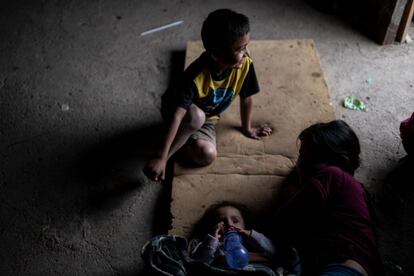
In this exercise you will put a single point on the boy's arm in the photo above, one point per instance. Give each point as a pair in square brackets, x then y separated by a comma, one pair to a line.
[155, 169]
[246, 107]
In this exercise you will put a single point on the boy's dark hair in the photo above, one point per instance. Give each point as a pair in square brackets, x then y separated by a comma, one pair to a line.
[210, 218]
[333, 143]
[222, 28]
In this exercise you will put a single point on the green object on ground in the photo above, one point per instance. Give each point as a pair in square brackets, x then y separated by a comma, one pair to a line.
[354, 104]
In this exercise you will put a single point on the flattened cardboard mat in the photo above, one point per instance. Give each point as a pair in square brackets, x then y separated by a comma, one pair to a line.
[293, 95]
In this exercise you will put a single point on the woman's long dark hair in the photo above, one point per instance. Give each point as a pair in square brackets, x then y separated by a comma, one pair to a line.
[333, 143]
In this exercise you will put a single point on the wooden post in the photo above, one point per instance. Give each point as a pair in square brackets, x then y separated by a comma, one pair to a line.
[405, 21]
[389, 20]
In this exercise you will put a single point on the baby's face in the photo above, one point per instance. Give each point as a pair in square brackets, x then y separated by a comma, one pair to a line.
[230, 216]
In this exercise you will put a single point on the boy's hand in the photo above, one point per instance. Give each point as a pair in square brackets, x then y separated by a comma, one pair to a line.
[257, 132]
[155, 169]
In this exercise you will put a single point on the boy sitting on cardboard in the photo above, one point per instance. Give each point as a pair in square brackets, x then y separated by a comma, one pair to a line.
[192, 107]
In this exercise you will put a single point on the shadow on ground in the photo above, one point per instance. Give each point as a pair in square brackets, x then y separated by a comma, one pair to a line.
[361, 16]
[114, 168]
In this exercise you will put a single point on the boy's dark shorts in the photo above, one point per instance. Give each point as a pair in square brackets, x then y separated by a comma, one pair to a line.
[207, 132]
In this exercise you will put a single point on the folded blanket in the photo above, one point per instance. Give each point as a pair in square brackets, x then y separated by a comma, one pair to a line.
[167, 255]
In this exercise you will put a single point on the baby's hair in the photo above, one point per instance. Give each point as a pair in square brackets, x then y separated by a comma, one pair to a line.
[210, 218]
[333, 143]
[222, 28]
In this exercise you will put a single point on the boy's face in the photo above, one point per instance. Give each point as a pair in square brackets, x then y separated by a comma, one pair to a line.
[234, 56]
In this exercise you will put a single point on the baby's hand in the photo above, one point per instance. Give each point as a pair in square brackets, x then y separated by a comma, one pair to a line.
[218, 230]
[241, 231]
[257, 132]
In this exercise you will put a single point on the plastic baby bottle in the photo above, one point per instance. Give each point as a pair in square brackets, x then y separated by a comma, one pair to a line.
[235, 253]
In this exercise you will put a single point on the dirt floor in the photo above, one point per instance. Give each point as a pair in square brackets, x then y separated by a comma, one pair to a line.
[79, 114]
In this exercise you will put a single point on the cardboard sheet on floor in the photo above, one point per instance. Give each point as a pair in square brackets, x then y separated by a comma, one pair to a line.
[293, 96]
